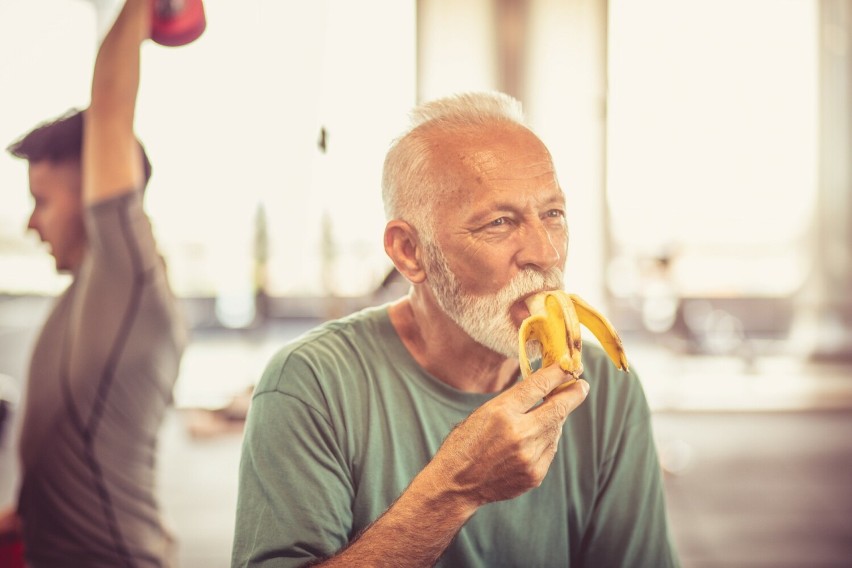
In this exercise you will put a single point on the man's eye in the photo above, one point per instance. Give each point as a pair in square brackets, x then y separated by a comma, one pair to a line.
[498, 222]
[555, 213]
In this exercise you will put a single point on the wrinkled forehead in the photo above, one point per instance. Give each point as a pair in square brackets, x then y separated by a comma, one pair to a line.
[498, 156]
[489, 146]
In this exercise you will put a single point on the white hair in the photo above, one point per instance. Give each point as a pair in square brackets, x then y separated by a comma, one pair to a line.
[409, 182]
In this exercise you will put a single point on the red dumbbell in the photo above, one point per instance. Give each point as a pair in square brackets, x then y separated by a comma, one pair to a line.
[177, 22]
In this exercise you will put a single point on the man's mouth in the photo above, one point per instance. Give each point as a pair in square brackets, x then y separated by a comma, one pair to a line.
[519, 311]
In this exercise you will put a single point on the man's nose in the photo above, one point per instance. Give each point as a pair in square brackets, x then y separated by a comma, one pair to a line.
[541, 248]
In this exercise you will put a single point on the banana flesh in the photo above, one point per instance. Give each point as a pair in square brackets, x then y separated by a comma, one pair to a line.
[554, 322]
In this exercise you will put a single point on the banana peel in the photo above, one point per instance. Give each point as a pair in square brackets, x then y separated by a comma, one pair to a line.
[554, 322]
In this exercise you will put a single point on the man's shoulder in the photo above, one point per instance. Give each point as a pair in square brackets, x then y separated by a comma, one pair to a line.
[121, 239]
[330, 347]
[621, 388]
[128, 197]
[355, 330]
[597, 363]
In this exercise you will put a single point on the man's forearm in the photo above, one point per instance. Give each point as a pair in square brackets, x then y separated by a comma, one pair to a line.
[115, 81]
[414, 531]
[112, 162]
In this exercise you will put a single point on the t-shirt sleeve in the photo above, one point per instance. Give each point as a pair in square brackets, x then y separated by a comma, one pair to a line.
[295, 489]
[123, 313]
[122, 272]
[121, 237]
[629, 525]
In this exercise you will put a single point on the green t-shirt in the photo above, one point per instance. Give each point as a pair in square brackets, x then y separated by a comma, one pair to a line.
[344, 418]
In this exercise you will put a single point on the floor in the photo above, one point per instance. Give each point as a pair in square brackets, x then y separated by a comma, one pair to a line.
[757, 455]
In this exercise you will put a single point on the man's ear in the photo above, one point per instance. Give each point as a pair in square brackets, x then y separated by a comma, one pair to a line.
[403, 248]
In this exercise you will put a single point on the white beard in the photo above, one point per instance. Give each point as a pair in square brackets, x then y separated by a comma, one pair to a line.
[485, 318]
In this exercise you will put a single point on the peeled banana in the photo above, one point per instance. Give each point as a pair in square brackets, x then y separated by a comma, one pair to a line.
[554, 322]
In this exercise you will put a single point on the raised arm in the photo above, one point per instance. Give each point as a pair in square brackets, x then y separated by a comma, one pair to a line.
[112, 159]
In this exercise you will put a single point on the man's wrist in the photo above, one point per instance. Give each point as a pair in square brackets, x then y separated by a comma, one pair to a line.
[436, 489]
[416, 529]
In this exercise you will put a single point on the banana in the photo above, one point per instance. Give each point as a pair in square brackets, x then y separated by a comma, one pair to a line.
[554, 322]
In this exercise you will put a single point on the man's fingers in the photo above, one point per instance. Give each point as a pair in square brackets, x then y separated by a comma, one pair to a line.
[537, 386]
[551, 414]
[556, 407]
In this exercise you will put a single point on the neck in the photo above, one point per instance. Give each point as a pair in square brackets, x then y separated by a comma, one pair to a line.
[445, 351]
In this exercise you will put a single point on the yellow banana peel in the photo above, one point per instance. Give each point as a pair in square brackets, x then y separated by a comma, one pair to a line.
[554, 322]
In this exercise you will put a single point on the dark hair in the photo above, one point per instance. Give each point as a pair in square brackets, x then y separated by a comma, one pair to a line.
[61, 139]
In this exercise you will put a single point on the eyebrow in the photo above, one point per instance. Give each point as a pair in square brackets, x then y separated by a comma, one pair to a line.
[487, 214]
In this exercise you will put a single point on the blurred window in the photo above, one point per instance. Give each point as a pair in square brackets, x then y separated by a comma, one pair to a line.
[712, 145]
[46, 54]
[267, 137]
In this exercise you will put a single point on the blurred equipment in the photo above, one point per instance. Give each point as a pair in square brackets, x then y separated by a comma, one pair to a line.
[660, 300]
[177, 22]
[9, 397]
[824, 315]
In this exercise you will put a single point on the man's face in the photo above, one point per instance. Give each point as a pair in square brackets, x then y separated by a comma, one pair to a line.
[499, 236]
[486, 318]
[57, 216]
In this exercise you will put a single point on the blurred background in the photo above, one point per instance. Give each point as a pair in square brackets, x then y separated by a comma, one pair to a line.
[705, 150]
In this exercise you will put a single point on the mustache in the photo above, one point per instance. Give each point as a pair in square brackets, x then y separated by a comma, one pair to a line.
[529, 281]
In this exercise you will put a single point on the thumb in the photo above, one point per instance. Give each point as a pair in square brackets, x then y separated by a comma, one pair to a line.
[537, 386]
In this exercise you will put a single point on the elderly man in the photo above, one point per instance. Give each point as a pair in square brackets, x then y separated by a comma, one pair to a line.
[402, 436]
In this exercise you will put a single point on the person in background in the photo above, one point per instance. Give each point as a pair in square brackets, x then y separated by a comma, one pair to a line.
[402, 435]
[106, 359]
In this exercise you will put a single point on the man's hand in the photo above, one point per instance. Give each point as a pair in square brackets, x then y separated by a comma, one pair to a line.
[506, 446]
[502, 450]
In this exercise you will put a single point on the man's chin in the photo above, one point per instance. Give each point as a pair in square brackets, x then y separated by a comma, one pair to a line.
[507, 348]
[62, 266]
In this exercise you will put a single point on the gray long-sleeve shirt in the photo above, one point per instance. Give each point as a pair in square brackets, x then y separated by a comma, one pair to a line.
[100, 381]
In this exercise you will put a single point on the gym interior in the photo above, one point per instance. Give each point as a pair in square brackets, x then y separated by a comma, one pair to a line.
[704, 148]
